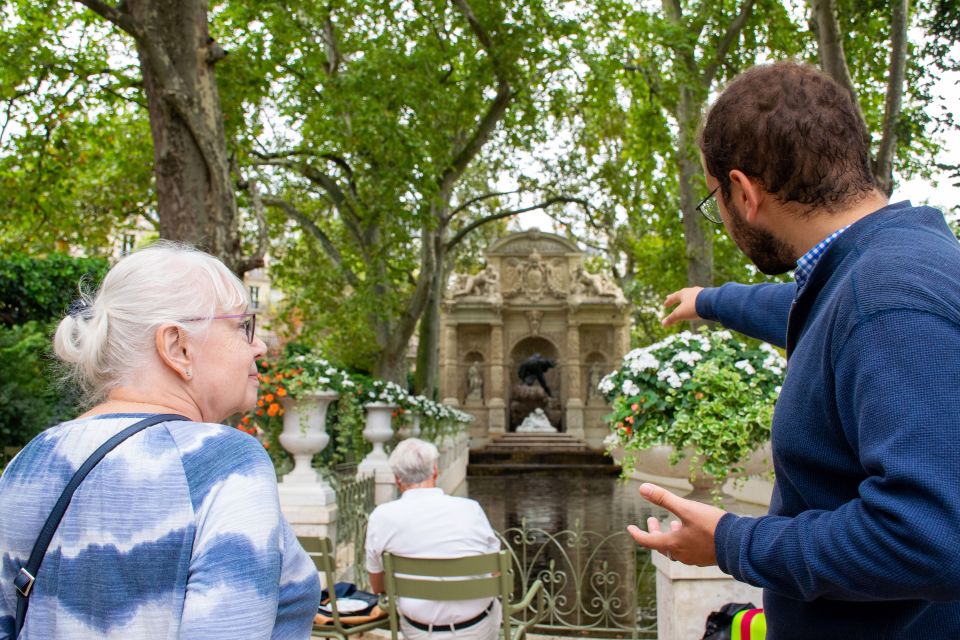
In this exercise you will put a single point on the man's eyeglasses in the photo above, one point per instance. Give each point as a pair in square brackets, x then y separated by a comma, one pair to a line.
[709, 208]
[249, 323]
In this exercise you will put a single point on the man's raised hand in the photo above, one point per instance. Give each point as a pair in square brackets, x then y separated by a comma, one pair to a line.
[689, 540]
[686, 301]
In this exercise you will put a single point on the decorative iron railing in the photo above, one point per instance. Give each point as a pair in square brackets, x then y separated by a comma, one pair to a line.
[355, 501]
[596, 584]
[599, 585]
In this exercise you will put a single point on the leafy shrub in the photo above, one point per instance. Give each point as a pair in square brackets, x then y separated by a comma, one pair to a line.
[41, 289]
[30, 398]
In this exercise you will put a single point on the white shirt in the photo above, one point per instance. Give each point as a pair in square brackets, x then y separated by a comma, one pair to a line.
[426, 523]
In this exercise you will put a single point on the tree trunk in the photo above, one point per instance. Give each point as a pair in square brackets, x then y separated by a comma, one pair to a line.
[833, 60]
[883, 165]
[699, 242]
[428, 346]
[195, 194]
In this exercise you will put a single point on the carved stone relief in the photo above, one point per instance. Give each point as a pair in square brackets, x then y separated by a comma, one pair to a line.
[595, 338]
[535, 278]
[485, 284]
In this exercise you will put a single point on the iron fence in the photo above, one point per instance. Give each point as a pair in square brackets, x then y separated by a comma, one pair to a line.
[596, 584]
[599, 585]
[355, 501]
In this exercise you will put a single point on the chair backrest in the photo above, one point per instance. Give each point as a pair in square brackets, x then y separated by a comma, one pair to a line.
[445, 579]
[321, 552]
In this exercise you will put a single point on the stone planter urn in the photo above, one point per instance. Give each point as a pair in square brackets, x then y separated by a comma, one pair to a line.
[305, 433]
[410, 429]
[656, 461]
[379, 431]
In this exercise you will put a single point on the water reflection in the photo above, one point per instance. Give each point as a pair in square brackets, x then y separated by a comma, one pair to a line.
[602, 504]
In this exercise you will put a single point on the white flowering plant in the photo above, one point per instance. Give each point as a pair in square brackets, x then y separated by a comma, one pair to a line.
[436, 419]
[706, 391]
[376, 390]
[311, 372]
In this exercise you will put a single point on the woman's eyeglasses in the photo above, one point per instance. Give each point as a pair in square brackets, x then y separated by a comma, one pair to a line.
[249, 323]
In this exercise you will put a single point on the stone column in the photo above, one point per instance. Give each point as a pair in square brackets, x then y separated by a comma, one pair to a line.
[496, 414]
[686, 595]
[574, 413]
[621, 340]
[451, 366]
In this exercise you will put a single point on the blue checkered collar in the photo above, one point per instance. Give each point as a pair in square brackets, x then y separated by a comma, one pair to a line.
[809, 260]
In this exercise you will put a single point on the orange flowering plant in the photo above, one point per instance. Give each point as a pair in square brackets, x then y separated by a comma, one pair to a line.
[296, 373]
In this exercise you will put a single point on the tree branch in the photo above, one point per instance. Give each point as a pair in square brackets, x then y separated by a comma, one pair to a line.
[473, 201]
[495, 112]
[318, 233]
[331, 46]
[345, 167]
[256, 260]
[325, 182]
[117, 15]
[883, 167]
[833, 59]
[459, 236]
[729, 36]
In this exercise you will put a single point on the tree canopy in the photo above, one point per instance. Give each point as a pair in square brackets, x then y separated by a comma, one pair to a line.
[373, 147]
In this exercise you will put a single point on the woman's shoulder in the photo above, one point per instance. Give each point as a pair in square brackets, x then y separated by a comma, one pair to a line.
[212, 453]
[219, 445]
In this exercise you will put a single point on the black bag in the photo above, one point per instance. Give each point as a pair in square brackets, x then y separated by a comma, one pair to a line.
[719, 622]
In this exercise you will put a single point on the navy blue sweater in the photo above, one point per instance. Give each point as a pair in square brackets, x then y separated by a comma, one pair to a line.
[863, 535]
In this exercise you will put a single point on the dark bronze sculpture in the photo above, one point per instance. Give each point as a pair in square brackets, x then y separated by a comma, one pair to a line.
[533, 368]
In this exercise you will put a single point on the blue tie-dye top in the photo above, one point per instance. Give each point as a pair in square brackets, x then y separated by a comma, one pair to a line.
[177, 533]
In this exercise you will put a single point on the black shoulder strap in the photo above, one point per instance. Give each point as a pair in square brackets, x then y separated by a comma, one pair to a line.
[25, 578]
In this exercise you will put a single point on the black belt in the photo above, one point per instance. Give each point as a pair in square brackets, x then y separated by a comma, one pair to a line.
[453, 626]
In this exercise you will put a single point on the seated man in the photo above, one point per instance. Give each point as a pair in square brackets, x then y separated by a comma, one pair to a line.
[426, 523]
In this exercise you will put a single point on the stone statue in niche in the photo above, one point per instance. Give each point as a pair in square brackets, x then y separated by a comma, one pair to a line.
[534, 318]
[475, 382]
[537, 421]
[533, 368]
[483, 284]
[594, 376]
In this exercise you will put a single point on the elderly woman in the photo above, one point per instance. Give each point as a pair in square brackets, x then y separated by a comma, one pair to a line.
[177, 533]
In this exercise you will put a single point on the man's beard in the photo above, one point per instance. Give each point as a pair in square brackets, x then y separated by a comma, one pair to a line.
[770, 254]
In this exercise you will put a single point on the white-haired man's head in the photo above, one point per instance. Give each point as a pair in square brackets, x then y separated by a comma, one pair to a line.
[414, 462]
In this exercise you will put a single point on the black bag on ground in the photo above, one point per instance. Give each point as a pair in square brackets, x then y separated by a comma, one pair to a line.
[719, 622]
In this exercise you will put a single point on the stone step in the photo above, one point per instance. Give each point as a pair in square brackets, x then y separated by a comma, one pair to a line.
[544, 456]
[545, 453]
[536, 442]
[542, 469]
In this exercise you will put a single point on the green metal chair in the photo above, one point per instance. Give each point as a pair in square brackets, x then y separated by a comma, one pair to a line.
[484, 576]
[322, 553]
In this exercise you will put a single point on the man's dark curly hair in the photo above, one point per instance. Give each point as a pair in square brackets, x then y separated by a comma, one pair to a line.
[794, 129]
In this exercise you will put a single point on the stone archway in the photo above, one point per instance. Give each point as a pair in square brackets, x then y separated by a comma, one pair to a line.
[523, 399]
